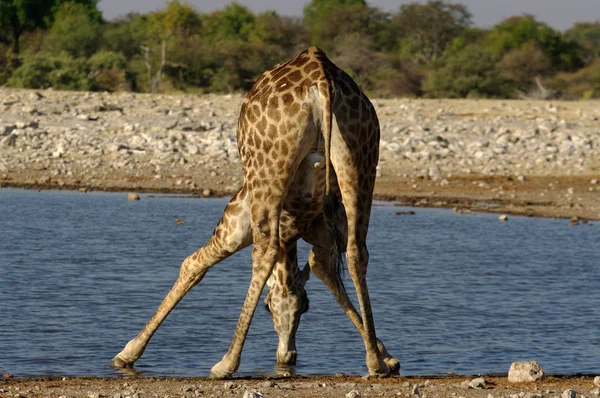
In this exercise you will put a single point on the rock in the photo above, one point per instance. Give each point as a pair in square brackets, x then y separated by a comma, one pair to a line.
[570, 393]
[133, 196]
[415, 390]
[524, 371]
[353, 394]
[503, 217]
[207, 193]
[230, 385]
[252, 394]
[597, 381]
[267, 384]
[478, 383]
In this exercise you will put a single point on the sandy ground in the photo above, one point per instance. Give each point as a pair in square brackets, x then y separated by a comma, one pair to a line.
[336, 386]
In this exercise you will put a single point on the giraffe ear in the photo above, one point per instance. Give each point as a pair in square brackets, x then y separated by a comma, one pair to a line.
[305, 275]
[270, 281]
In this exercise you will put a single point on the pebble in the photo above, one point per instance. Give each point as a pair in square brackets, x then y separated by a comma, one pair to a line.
[267, 384]
[230, 385]
[133, 196]
[597, 381]
[570, 393]
[478, 383]
[353, 394]
[503, 217]
[252, 394]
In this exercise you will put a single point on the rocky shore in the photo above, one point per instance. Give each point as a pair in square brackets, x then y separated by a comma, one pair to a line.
[336, 386]
[518, 157]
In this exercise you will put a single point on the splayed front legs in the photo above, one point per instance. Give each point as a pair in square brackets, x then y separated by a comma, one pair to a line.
[231, 235]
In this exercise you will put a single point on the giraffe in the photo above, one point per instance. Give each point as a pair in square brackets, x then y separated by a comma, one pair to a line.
[308, 140]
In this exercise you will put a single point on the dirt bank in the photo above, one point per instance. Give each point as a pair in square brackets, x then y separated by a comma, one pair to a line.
[341, 386]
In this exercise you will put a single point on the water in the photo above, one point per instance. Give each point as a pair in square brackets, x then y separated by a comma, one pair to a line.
[81, 274]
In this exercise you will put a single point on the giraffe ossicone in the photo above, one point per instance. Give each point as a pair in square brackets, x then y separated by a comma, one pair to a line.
[308, 139]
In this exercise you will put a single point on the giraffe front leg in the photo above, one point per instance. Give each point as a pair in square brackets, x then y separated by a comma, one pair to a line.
[264, 257]
[266, 252]
[231, 235]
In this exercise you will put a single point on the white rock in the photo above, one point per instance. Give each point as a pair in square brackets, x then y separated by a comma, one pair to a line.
[230, 385]
[252, 394]
[478, 383]
[353, 394]
[597, 381]
[524, 371]
[503, 217]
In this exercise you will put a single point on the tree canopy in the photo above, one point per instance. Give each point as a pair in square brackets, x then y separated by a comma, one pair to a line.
[421, 49]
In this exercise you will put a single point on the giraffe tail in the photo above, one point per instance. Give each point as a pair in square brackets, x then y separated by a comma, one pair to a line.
[331, 204]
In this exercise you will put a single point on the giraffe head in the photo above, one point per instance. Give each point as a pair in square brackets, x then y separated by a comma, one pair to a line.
[286, 301]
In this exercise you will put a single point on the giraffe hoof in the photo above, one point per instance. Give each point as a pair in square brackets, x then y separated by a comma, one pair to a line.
[219, 372]
[120, 363]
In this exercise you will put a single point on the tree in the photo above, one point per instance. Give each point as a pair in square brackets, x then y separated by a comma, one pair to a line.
[234, 22]
[286, 32]
[470, 72]
[587, 35]
[75, 30]
[19, 16]
[425, 30]
[355, 20]
[525, 64]
[318, 12]
[516, 32]
[176, 19]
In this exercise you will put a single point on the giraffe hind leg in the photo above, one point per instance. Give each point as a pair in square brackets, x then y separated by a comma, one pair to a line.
[231, 235]
[320, 262]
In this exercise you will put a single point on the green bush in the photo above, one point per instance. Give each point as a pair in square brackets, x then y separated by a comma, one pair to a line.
[44, 70]
[104, 60]
[583, 84]
[108, 71]
[470, 72]
[74, 31]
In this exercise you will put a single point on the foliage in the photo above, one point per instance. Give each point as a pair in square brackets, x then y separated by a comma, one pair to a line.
[517, 32]
[583, 84]
[586, 35]
[522, 65]
[234, 22]
[43, 70]
[470, 72]
[75, 31]
[422, 49]
[424, 30]
[19, 16]
[317, 13]
[176, 19]
[126, 35]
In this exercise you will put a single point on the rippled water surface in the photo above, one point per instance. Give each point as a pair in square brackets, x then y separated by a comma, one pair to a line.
[81, 274]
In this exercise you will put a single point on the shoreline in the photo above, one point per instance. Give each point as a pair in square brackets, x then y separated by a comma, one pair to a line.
[521, 198]
[314, 386]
